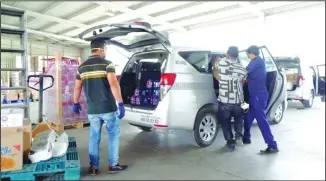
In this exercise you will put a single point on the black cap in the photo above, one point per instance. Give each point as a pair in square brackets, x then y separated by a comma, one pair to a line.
[253, 49]
[98, 43]
[233, 52]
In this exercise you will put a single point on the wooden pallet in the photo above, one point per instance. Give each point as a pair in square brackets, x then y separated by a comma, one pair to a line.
[64, 126]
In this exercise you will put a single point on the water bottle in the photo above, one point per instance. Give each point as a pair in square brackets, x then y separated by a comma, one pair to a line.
[137, 91]
[149, 84]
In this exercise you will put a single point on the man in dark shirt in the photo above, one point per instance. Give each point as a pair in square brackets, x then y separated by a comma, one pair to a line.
[97, 77]
[258, 100]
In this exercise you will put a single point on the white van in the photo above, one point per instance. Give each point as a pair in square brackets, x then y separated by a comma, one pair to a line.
[180, 80]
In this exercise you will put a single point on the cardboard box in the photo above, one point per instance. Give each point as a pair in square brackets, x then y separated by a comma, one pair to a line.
[27, 139]
[44, 126]
[292, 78]
[11, 142]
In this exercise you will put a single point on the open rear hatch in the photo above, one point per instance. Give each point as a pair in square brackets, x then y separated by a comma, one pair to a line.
[143, 82]
[126, 36]
[293, 71]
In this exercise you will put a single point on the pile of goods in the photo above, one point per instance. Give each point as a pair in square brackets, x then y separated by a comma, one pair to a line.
[148, 96]
[59, 98]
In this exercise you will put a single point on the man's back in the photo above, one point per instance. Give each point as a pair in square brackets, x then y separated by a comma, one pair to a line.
[93, 73]
[231, 74]
[257, 76]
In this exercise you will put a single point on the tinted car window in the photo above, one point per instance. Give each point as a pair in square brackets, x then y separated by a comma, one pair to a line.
[200, 60]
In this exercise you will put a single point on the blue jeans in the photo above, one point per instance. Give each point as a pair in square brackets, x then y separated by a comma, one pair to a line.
[112, 123]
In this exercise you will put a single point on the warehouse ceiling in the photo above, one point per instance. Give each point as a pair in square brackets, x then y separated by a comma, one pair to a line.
[61, 21]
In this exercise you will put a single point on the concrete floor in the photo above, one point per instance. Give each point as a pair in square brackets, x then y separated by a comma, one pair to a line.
[174, 155]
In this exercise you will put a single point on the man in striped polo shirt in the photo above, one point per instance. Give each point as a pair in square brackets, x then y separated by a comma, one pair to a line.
[231, 74]
[97, 77]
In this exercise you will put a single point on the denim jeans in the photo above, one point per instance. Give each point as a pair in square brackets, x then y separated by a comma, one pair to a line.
[225, 114]
[112, 123]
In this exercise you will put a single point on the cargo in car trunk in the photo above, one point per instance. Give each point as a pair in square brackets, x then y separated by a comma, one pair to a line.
[140, 79]
[292, 69]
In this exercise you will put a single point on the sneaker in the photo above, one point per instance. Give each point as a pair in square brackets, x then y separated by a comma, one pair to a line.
[117, 168]
[230, 147]
[93, 171]
[269, 150]
[246, 141]
[239, 141]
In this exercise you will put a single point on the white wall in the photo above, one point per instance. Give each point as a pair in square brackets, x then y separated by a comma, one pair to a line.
[11, 60]
[40, 49]
[300, 33]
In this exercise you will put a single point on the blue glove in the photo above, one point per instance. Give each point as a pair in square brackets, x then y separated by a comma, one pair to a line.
[76, 108]
[121, 110]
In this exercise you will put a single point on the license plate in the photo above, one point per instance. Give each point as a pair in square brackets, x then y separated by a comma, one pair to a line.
[149, 119]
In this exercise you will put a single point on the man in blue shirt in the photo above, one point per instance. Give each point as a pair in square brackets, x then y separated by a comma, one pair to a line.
[258, 100]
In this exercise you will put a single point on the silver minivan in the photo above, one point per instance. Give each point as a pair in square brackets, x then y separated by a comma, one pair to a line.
[182, 77]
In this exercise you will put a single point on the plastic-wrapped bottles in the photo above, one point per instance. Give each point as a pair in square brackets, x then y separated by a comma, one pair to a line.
[149, 84]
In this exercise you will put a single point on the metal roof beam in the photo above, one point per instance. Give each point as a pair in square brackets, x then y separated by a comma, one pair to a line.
[253, 9]
[77, 40]
[132, 13]
[70, 17]
[53, 5]
[47, 17]
[229, 13]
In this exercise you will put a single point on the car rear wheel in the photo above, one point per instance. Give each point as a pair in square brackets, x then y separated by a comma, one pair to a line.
[206, 127]
[308, 103]
[278, 116]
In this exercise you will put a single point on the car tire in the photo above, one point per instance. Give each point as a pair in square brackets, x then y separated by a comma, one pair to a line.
[206, 127]
[144, 128]
[308, 103]
[278, 116]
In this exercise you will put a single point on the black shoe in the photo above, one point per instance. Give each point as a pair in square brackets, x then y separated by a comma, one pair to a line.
[117, 168]
[239, 141]
[269, 150]
[246, 141]
[93, 171]
[230, 147]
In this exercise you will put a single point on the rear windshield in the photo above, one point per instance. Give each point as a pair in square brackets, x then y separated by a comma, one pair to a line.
[133, 38]
[200, 60]
[290, 65]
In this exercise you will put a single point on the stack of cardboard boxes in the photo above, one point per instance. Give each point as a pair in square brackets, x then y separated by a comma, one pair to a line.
[16, 141]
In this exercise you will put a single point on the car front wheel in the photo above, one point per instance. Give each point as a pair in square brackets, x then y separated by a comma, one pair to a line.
[206, 127]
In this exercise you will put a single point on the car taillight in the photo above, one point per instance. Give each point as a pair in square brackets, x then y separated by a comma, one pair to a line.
[167, 81]
[301, 80]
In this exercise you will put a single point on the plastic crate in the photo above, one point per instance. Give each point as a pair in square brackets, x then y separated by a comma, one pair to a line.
[66, 167]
